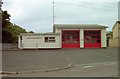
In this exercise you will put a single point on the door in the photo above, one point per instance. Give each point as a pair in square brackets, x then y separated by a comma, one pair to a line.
[92, 38]
[70, 39]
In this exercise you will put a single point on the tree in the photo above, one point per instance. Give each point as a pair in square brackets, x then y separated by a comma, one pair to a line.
[30, 32]
[6, 35]
[10, 31]
[5, 19]
[10, 34]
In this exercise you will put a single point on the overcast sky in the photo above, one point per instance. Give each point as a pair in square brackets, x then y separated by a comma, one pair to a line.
[37, 15]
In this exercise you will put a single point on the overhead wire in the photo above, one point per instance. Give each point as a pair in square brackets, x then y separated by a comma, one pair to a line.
[91, 6]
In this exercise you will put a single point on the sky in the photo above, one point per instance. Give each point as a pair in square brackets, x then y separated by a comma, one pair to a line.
[37, 15]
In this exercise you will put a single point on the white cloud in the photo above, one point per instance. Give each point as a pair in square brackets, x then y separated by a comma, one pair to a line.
[37, 15]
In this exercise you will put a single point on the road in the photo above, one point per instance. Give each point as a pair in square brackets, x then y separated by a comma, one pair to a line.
[85, 62]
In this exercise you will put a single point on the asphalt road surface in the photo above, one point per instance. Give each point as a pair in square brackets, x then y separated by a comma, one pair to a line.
[85, 62]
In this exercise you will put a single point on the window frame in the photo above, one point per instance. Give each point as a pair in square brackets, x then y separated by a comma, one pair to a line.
[49, 39]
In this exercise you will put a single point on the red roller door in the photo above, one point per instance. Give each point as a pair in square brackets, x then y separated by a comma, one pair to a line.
[70, 39]
[92, 38]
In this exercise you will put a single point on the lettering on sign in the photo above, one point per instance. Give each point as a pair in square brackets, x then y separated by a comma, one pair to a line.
[34, 38]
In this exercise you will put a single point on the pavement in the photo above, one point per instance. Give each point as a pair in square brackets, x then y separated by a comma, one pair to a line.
[79, 62]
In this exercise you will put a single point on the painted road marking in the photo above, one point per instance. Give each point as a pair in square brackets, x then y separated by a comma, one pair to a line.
[95, 64]
[110, 63]
[88, 66]
[82, 67]
[78, 67]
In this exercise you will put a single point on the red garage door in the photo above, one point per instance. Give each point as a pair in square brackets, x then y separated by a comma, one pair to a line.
[70, 39]
[92, 38]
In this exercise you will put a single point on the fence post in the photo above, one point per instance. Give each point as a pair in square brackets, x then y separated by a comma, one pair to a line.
[36, 46]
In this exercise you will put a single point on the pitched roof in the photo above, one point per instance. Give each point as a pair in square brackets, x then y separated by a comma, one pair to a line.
[115, 24]
[118, 22]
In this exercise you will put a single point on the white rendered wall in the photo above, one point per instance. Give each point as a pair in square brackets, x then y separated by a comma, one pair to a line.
[81, 38]
[60, 38]
[103, 38]
[57, 30]
[18, 41]
[40, 43]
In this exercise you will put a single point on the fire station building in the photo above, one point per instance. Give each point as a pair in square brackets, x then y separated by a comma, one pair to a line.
[66, 36]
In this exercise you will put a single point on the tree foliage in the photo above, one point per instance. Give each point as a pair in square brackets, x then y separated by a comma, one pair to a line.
[30, 32]
[10, 31]
[109, 34]
[5, 19]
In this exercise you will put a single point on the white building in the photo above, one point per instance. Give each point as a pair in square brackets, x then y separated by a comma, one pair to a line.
[66, 36]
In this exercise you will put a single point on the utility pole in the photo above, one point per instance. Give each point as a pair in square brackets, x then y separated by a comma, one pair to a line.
[53, 13]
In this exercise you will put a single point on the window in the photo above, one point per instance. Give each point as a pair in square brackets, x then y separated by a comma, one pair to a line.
[92, 36]
[49, 39]
[71, 36]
